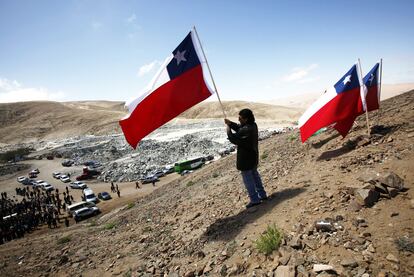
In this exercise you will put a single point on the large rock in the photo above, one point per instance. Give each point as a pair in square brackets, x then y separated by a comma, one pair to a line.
[367, 197]
[285, 271]
[392, 180]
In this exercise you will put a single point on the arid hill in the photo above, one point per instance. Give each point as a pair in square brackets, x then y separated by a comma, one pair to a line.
[345, 207]
[31, 121]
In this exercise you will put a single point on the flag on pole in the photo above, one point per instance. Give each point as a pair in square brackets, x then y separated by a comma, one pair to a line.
[370, 99]
[338, 103]
[372, 91]
[178, 85]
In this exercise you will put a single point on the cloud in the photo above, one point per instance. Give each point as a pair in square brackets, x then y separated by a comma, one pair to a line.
[96, 25]
[146, 68]
[13, 91]
[132, 18]
[299, 74]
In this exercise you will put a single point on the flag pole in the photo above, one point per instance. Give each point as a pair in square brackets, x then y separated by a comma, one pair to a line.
[211, 75]
[379, 96]
[365, 101]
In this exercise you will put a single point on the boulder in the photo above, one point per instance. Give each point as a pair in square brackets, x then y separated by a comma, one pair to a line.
[367, 197]
[392, 180]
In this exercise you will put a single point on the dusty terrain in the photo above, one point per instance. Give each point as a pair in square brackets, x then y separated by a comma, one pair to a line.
[33, 121]
[198, 225]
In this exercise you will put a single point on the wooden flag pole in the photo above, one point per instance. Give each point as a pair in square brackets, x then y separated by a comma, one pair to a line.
[365, 101]
[211, 75]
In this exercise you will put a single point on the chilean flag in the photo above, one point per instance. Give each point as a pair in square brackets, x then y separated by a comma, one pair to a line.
[369, 101]
[372, 87]
[338, 103]
[178, 85]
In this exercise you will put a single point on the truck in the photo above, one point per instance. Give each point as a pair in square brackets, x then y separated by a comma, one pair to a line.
[87, 174]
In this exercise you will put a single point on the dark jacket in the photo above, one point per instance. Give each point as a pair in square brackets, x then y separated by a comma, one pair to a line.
[246, 138]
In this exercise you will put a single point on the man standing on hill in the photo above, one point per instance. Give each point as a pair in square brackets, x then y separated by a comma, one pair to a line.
[246, 138]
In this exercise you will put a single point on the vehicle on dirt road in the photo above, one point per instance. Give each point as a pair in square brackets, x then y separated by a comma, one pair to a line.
[85, 212]
[104, 195]
[78, 185]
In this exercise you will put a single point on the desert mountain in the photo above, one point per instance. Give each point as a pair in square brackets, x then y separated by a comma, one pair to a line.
[31, 121]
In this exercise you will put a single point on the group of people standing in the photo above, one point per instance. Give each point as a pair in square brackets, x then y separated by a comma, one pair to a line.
[37, 207]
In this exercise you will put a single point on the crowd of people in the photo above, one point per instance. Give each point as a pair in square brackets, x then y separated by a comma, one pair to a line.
[36, 208]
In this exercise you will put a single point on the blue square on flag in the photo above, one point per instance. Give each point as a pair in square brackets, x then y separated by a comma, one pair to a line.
[185, 58]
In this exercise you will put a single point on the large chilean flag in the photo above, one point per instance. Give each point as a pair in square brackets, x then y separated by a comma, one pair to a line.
[370, 99]
[338, 103]
[178, 85]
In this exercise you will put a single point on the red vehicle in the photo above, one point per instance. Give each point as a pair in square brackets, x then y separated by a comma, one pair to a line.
[87, 174]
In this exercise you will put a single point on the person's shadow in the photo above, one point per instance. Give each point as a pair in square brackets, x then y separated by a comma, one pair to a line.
[226, 229]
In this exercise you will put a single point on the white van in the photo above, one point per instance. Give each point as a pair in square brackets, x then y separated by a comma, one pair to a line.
[79, 205]
[90, 196]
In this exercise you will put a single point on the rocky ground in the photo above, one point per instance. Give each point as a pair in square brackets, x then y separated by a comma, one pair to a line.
[345, 207]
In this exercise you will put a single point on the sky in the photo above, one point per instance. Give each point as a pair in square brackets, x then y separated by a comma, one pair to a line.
[258, 50]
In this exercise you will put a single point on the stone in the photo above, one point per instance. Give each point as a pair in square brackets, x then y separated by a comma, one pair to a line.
[189, 273]
[390, 257]
[392, 180]
[367, 197]
[285, 271]
[394, 214]
[350, 262]
[295, 243]
[322, 267]
[412, 204]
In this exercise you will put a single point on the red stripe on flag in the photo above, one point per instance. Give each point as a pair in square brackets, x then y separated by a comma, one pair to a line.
[342, 106]
[165, 103]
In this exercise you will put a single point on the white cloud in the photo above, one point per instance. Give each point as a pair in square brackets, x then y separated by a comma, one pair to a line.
[299, 74]
[13, 91]
[146, 68]
[132, 18]
[96, 25]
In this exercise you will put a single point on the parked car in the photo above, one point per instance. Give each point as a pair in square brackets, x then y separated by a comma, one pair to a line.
[78, 185]
[90, 196]
[37, 171]
[56, 175]
[68, 162]
[76, 206]
[47, 187]
[150, 179]
[32, 174]
[168, 169]
[22, 179]
[85, 212]
[159, 173]
[39, 183]
[64, 178]
[104, 195]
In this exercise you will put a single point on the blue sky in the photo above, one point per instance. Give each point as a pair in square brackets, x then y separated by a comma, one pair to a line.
[257, 50]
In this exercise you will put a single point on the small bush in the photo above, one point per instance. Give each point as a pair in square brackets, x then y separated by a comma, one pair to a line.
[63, 240]
[269, 241]
[93, 223]
[130, 205]
[264, 156]
[215, 175]
[110, 226]
[190, 183]
[292, 137]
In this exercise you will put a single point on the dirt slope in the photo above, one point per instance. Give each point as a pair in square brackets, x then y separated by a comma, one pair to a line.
[197, 225]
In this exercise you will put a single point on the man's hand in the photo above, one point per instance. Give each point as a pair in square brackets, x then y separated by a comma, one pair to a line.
[227, 122]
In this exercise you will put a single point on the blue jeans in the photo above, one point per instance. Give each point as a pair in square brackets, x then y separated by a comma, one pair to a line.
[254, 185]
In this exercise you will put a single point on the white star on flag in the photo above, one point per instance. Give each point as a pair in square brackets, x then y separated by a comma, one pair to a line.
[180, 57]
[347, 79]
[371, 78]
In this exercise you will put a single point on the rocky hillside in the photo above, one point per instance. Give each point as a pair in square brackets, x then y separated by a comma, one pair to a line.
[345, 207]
[33, 121]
